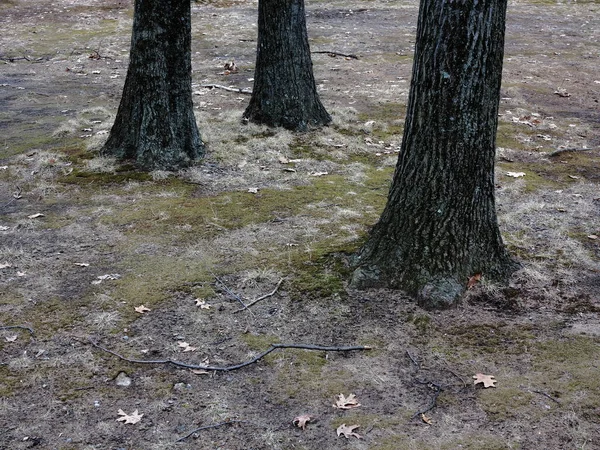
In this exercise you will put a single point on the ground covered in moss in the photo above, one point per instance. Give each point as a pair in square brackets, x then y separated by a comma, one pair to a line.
[273, 216]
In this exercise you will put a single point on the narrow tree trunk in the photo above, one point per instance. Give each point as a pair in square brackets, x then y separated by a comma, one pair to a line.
[155, 124]
[439, 226]
[284, 91]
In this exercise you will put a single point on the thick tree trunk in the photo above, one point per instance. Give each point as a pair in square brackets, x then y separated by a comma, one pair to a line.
[155, 124]
[284, 91]
[439, 226]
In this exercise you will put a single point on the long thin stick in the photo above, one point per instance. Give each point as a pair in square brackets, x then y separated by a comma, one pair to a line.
[272, 348]
[206, 427]
[230, 292]
[21, 327]
[334, 54]
[560, 151]
[260, 298]
[230, 89]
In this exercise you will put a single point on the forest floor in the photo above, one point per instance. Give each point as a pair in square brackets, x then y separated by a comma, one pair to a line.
[85, 241]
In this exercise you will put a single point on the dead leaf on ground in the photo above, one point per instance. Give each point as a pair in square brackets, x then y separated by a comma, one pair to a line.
[187, 347]
[253, 190]
[487, 380]
[301, 421]
[348, 431]
[200, 372]
[82, 264]
[593, 237]
[11, 338]
[473, 280]
[346, 402]
[426, 419]
[141, 309]
[562, 92]
[515, 174]
[202, 304]
[132, 418]
[35, 216]
[5, 265]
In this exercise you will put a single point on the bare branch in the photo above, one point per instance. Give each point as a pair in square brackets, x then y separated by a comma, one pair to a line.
[260, 298]
[272, 348]
[230, 89]
[20, 327]
[334, 54]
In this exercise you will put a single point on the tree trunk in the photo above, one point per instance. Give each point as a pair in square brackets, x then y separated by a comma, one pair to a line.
[284, 91]
[155, 124]
[439, 226]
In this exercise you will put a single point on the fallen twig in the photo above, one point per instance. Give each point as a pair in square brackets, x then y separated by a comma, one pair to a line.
[272, 348]
[230, 292]
[560, 151]
[206, 427]
[20, 327]
[413, 360]
[334, 54]
[230, 89]
[260, 298]
[545, 395]
[437, 391]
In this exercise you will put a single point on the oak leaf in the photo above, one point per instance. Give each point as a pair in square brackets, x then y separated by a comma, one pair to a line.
[132, 418]
[187, 347]
[487, 380]
[346, 402]
[11, 338]
[426, 419]
[300, 421]
[141, 309]
[202, 304]
[348, 431]
[473, 280]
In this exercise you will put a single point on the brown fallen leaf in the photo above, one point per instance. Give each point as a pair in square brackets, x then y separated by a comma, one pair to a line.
[35, 216]
[348, 431]
[202, 304]
[426, 419]
[593, 237]
[141, 309]
[487, 380]
[132, 418]
[346, 402]
[187, 347]
[5, 265]
[301, 421]
[11, 338]
[200, 372]
[473, 280]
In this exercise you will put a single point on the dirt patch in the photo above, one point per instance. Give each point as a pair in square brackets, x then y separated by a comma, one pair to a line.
[84, 241]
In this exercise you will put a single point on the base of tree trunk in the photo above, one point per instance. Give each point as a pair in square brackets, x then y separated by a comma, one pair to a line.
[430, 291]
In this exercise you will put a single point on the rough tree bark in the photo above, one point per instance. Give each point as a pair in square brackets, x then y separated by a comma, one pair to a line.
[284, 92]
[439, 226]
[155, 124]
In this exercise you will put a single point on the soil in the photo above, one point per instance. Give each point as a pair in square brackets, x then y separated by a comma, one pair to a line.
[85, 240]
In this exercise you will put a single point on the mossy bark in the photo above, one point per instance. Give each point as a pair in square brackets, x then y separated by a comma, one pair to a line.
[155, 124]
[439, 226]
[284, 93]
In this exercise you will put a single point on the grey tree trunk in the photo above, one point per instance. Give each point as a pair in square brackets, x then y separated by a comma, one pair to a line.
[439, 226]
[284, 92]
[155, 125]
